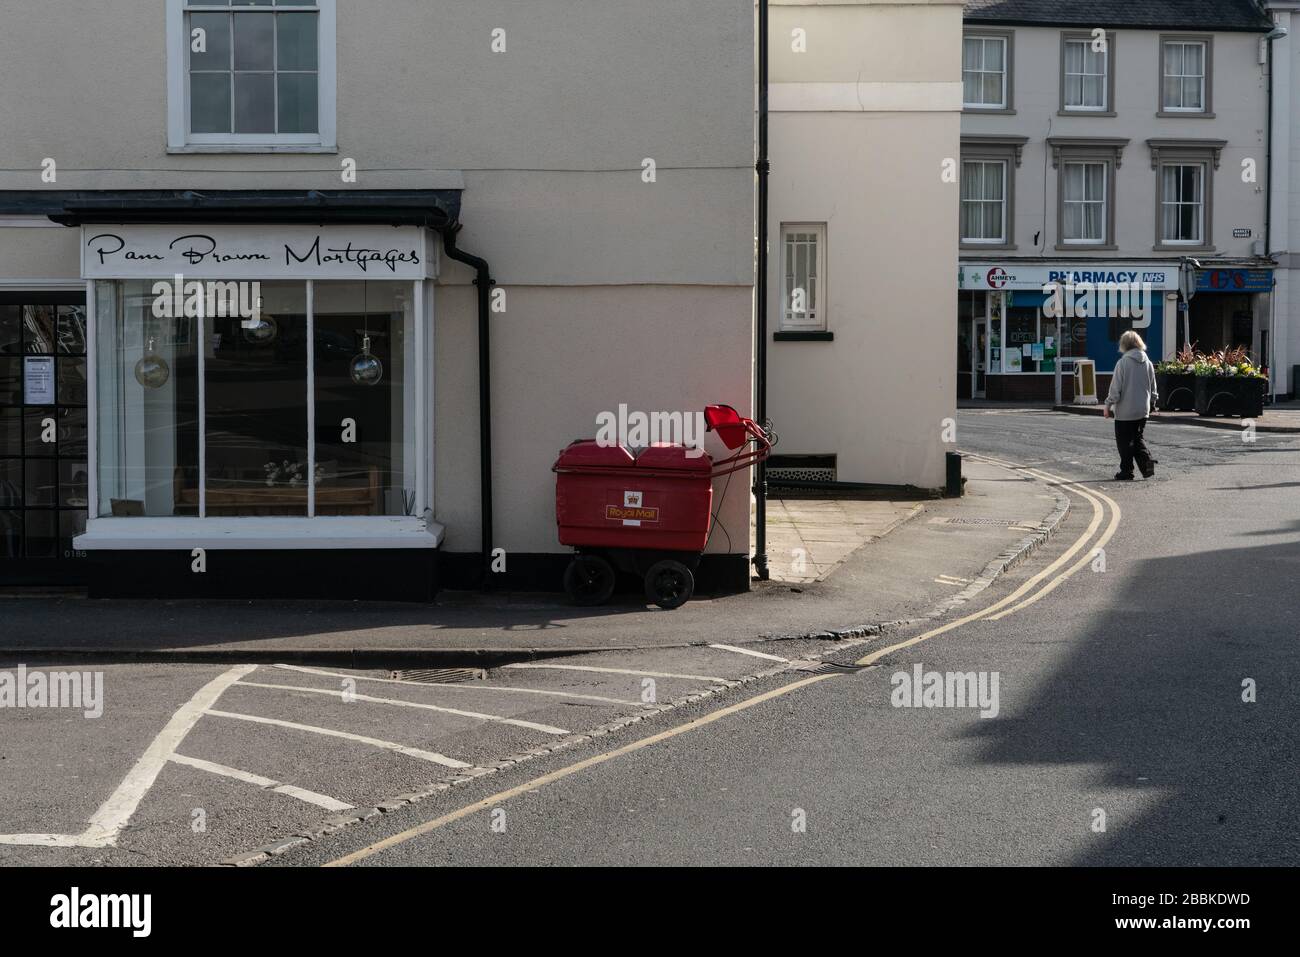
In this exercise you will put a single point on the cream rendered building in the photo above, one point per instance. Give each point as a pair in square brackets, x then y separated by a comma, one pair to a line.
[865, 104]
[600, 161]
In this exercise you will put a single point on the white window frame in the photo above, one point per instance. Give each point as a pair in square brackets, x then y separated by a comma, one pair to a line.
[1104, 202]
[1006, 50]
[1000, 240]
[314, 531]
[1105, 77]
[814, 320]
[1204, 75]
[1202, 183]
[179, 137]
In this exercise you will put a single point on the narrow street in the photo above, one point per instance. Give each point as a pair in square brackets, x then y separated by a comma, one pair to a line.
[1117, 732]
[1121, 690]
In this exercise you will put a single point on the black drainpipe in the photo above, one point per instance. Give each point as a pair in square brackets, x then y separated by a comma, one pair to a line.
[760, 302]
[483, 280]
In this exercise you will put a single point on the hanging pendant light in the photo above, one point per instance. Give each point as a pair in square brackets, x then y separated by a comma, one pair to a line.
[152, 370]
[365, 368]
[260, 329]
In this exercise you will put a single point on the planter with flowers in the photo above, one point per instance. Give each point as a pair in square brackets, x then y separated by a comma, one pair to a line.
[1176, 382]
[1229, 383]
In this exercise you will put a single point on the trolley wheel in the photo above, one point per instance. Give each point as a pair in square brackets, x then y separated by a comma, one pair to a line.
[589, 580]
[669, 584]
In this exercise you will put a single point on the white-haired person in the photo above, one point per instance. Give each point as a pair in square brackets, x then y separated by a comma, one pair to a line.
[1132, 398]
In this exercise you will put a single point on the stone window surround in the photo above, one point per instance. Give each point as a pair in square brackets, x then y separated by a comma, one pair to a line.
[1208, 112]
[994, 146]
[1062, 109]
[1106, 150]
[1007, 108]
[1180, 151]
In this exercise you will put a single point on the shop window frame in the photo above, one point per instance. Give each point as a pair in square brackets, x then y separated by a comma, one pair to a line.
[387, 530]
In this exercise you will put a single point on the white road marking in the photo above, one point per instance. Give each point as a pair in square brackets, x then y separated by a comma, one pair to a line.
[464, 687]
[116, 812]
[476, 715]
[330, 732]
[952, 580]
[750, 652]
[616, 671]
[302, 794]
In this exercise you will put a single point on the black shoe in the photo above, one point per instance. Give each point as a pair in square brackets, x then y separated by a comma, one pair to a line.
[1148, 472]
[1123, 476]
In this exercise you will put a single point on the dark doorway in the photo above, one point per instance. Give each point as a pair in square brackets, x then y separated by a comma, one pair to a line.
[43, 437]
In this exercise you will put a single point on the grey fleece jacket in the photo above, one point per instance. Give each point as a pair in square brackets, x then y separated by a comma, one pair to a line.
[1133, 387]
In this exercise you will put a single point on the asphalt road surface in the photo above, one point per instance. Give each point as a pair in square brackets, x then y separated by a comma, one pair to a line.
[1146, 707]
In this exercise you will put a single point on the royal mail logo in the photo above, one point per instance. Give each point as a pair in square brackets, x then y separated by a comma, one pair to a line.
[633, 511]
[626, 513]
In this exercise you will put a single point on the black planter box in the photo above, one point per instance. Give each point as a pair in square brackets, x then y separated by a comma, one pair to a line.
[1177, 391]
[1230, 395]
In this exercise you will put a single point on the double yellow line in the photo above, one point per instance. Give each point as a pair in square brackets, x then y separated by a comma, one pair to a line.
[1052, 574]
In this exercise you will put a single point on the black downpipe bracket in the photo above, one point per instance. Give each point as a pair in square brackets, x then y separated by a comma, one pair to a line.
[761, 167]
[483, 280]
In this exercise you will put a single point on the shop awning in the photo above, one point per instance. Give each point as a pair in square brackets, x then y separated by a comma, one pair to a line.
[432, 208]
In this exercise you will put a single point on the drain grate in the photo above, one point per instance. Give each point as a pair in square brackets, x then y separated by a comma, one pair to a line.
[439, 676]
[1003, 522]
[827, 668]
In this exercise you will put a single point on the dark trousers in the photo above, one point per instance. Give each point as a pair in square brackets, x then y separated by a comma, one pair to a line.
[1128, 437]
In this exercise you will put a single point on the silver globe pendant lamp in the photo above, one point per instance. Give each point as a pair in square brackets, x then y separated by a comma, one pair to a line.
[152, 370]
[365, 368]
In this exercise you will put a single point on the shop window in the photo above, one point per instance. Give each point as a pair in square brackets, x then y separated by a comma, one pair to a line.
[308, 408]
[1185, 75]
[803, 290]
[251, 74]
[986, 71]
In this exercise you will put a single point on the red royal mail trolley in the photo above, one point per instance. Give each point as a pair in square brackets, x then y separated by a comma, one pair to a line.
[648, 513]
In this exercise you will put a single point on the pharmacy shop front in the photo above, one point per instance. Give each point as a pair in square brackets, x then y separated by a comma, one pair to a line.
[1011, 333]
[259, 410]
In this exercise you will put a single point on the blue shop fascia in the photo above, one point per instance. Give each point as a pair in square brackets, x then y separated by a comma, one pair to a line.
[1012, 333]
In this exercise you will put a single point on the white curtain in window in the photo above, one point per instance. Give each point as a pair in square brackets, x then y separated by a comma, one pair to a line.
[1084, 202]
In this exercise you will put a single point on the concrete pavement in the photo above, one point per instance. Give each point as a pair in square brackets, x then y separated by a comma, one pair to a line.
[951, 548]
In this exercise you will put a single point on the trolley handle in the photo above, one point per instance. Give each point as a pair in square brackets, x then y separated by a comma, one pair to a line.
[747, 456]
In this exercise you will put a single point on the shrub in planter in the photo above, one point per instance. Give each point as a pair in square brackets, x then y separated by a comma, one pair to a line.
[1227, 383]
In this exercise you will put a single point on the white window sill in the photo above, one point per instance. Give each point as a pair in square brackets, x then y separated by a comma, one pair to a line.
[259, 533]
[252, 148]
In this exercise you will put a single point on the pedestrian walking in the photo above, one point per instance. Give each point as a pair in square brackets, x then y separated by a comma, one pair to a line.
[1132, 398]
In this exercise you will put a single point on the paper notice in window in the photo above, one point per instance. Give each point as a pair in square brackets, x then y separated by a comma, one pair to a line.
[38, 380]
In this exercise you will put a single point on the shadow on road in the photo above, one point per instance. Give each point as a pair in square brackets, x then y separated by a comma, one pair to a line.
[1153, 698]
